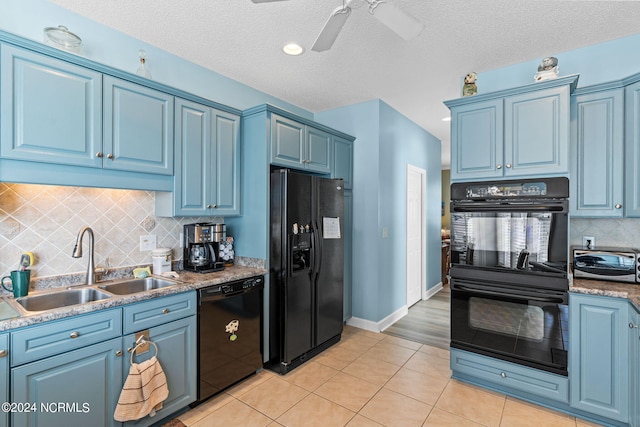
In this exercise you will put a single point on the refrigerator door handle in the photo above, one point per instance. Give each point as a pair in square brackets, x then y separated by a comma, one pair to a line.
[318, 235]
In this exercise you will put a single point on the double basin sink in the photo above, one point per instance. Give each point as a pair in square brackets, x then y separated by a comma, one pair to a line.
[86, 294]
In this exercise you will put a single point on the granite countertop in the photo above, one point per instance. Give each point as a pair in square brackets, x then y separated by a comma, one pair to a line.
[629, 291]
[187, 281]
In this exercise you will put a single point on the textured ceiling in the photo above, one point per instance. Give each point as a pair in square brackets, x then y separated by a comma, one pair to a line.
[243, 40]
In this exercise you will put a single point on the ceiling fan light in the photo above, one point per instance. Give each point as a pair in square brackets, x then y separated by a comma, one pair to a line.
[331, 29]
[406, 26]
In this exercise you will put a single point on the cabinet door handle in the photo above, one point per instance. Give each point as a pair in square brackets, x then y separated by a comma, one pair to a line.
[119, 353]
[99, 154]
[618, 206]
[215, 206]
[209, 206]
[3, 353]
[165, 311]
[632, 325]
[499, 166]
[110, 156]
[74, 334]
[503, 375]
[508, 165]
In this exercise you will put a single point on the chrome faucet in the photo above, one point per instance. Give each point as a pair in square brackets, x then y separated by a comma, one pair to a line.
[77, 253]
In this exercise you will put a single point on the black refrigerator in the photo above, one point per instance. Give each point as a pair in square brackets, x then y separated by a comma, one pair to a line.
[306, 267]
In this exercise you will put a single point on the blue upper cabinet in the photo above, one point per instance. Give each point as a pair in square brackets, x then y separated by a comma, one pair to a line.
[50, 110]
[597, 147]
[518, 132]
[343, 160]
[632, 150]
[536, 137]
[476, 140]
[138, 128]
[207, 163]
[300, 146]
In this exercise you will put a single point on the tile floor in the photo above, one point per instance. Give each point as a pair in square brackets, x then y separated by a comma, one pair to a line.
[369, 379]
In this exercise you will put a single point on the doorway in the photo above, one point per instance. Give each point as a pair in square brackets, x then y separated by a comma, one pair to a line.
[416, 233]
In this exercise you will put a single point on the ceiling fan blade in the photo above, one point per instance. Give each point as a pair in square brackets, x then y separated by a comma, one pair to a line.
[405, 25]
[331, 29]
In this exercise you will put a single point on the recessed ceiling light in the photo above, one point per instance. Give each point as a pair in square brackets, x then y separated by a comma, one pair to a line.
[293, 49]
[446, 119]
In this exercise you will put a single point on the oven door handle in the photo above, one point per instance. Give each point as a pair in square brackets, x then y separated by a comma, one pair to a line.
[508, 207]
[526, 297]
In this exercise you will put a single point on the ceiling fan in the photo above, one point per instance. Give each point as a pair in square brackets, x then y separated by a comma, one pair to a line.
[405, 25]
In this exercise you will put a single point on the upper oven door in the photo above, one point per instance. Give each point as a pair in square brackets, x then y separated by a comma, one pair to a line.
[515, 226]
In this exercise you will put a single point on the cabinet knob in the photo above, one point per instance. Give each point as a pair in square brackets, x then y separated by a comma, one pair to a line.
[99, 154]
[3, 353]
[119, 353]
[110, 156]
[499, 166]
[74, 334]
[503, 375]
[632, 325]
[165, 310]
[618, 206]
[209, 206]
[215, 206]
[508, 165]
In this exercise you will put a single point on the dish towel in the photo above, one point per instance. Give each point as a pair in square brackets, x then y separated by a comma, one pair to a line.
[143, 392]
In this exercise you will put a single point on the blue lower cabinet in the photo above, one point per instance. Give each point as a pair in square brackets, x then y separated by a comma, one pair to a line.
[176, 351]
[4, 377]
[76, 388]
[634, 364]
[518, 380]
[598, 356]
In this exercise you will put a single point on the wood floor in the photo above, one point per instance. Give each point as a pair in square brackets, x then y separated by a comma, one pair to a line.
[427, 321]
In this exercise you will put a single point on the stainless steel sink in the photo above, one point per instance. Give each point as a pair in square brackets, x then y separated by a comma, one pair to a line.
[133, 286]
[58, 299]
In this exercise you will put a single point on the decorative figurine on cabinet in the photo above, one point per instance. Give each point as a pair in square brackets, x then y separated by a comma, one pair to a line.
[469, 88]
[548, 69]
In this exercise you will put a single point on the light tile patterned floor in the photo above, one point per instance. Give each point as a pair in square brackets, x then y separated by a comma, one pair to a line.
[369, 379]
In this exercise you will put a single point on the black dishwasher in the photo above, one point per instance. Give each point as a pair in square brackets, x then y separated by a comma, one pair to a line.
[229, 334]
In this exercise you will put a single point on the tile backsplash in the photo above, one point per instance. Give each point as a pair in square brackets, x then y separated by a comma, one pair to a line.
[623, 232]
[46, 219]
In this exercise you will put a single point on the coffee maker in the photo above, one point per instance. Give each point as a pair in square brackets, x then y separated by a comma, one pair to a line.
[201, 247]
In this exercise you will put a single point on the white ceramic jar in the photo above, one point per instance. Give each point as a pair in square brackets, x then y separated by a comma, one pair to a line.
[161, 260]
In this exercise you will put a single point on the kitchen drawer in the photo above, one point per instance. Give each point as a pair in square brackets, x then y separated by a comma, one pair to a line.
[147, 314]
[37, 342]
[505, 375]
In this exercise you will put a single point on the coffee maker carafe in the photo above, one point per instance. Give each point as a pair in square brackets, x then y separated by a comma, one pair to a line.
[201, 249]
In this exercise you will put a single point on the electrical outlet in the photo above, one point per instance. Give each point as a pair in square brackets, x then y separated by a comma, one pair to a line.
[148, 243]
[588, 242]
[181, 240]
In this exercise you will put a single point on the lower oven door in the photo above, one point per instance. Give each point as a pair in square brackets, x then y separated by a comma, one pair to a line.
[525, 326]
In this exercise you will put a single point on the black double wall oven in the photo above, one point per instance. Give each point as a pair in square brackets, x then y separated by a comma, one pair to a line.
[509, 282]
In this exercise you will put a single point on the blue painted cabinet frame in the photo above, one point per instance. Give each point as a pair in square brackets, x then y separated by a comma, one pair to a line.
[4, 377]
[598, 356]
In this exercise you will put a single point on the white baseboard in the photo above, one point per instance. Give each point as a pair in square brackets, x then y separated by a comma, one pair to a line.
[428, 293]
[380, 326]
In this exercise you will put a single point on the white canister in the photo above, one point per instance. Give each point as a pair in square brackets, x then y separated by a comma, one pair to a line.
[161, 260]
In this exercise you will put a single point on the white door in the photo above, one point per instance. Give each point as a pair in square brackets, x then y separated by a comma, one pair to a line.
[416, 238]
